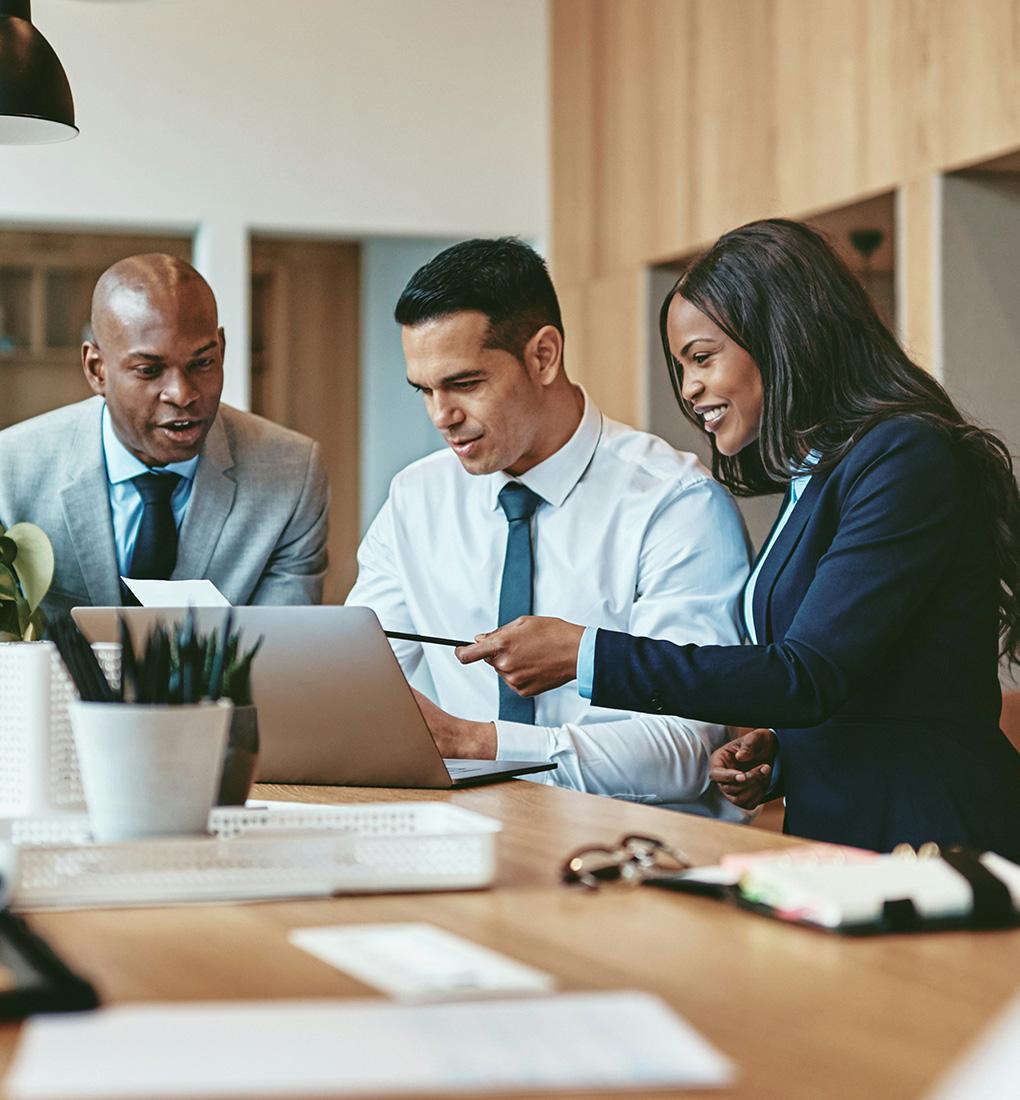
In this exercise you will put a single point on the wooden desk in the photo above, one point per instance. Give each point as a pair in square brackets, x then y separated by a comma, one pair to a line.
[804, 1014]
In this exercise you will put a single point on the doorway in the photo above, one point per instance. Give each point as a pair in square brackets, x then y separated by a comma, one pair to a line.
[305, 298]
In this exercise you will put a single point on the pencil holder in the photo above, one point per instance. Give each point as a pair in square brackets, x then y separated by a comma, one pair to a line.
[240, 758]
[149, 769]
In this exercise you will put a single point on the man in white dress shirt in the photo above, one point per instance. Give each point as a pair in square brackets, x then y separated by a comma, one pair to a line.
[540, 504]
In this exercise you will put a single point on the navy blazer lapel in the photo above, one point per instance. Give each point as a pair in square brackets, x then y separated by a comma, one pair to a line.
[775, 524]
[754, 565]
[86, 504]
[780, 554]
[212, 497]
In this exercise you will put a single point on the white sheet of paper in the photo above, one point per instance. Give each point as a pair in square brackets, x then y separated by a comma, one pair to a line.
[990, 1069]
[199, 593]
[579, 1041]
[417, 962]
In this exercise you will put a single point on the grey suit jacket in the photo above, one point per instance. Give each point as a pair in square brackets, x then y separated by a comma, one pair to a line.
[255, 525]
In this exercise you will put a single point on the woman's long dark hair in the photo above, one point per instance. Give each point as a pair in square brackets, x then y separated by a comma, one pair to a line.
[831, 370]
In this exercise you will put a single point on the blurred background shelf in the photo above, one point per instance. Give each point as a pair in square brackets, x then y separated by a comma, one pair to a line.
[46, 281]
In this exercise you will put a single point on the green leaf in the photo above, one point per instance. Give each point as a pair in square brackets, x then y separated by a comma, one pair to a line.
[8, 584]
[10, 631]
[34, 563]
[24, 615]
[36, 629]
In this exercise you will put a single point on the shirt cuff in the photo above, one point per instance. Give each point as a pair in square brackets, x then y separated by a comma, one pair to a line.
[520, 741]
[586, 662]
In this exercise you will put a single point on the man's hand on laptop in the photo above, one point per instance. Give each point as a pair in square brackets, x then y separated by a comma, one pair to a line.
[533, 653]
[457, 737]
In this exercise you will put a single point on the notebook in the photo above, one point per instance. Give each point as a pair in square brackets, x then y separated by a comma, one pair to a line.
[860, 893]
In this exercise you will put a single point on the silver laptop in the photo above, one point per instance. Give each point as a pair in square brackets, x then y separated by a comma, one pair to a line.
[334, 706]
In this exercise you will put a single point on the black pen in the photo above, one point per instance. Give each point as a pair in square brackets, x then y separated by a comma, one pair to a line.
[423, 638]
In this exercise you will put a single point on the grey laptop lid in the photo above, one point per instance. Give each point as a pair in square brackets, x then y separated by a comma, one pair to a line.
[334, 706]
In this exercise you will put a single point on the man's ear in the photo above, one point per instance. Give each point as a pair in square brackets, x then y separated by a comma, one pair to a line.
[94, 367]
[223, 341]
[544, 353]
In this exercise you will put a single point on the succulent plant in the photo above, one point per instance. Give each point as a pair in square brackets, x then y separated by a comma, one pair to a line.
[26, 573]
[176, 665]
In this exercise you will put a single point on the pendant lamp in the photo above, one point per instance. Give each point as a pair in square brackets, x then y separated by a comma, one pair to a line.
[35, 98]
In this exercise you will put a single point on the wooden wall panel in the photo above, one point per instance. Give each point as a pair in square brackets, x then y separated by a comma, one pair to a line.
[733, 114]
[979, 77]
[819, 83]
[624, 134]
[572, 297]
[917, 308]
[698, 115]
[614, 309]
[573, 126]
[902, 120]
[674, 188]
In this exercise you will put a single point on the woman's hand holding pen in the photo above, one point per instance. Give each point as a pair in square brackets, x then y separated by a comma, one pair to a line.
[533, 653]
[742, 768]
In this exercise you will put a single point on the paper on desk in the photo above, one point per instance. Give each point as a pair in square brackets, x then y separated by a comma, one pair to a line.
[417, 962]
[990, 1069]
[577, 1041]
[198, 593]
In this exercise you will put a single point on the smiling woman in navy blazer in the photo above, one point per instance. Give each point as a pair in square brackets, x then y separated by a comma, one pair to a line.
[885, 593]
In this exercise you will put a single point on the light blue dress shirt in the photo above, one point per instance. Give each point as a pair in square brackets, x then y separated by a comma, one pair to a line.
[797, 487]
[586, 650]
[126, 502]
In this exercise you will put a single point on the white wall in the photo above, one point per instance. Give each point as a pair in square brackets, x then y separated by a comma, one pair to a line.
[980, 322]
[350, 118]
[979, 325]
[395, 429]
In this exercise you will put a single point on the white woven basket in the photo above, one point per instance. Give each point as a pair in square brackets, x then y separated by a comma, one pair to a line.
[255, 854]
[38, 761]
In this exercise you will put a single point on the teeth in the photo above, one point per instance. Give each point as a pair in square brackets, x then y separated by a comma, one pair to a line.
[713, 414]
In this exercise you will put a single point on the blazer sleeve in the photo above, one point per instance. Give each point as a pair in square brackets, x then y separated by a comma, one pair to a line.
[296, 568]
[898, 524]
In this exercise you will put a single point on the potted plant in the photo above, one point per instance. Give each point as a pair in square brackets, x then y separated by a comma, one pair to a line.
[151, 750]
[40, 774]
[26, 573]
[243, 740]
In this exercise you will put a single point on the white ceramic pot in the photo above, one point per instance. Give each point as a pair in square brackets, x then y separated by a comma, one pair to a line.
[149, 770]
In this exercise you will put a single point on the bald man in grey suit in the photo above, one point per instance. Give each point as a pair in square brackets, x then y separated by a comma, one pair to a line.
[246, 503]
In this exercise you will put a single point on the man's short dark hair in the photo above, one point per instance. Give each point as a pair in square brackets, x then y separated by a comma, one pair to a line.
[505, 279]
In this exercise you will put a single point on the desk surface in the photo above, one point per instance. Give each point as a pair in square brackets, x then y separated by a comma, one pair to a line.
[804, 1014]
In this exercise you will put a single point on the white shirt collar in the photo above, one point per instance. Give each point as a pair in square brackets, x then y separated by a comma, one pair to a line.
[122, 465]
[802, 475]
[555, 477]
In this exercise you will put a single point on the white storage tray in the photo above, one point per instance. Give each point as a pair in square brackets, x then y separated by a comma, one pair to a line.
[254, 853]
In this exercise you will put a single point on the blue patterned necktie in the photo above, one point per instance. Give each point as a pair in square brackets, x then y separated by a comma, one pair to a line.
[515, 593]
[155, 553]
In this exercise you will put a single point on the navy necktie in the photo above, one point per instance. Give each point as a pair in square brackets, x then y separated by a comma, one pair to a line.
[518, 503]
[155, 553]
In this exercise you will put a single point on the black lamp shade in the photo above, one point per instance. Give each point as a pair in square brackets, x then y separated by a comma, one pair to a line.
[35, 98]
